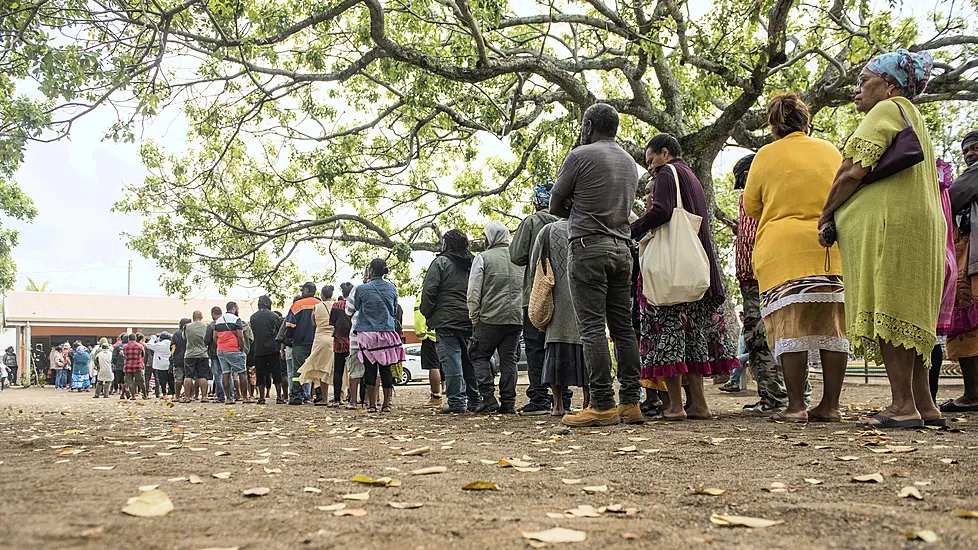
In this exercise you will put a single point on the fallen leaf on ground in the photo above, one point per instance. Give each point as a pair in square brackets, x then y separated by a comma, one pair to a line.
[332, 507]
[962, 513]
[583, 511]
[813, 481]
[259, 461]
[821, 447]
[256, 492]
[405, 505]
[596, 489]
[195, 479]
[628, 449]
[949, 460]
[272, 470]
[743, 521]
[380, 481]
[175, 479]
[571, 481]
[713, 492]
[222, 453]
[350, 449]
[869, 478]
[429, 470]
[638, 439]
[514, 463]
[488, 462]
[777, 487]
[629, 536]
[69, 452]
[910, 492]
[528, 470]
[356, 496]
[415, 452]
[91, 532]
[925, 535]
[222, 475]
[149, 504]
[481, 486]
[148, 487]
[847, 458]
[312, 490]
[557, 534]
[103, 468]
[355, 512]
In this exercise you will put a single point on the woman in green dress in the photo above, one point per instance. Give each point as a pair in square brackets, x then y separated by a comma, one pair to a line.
[891, 236]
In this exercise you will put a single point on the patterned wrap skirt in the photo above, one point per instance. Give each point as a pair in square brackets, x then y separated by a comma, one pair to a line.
[806, 315]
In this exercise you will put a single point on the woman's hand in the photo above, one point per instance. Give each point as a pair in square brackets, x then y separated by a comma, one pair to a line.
[821, 237]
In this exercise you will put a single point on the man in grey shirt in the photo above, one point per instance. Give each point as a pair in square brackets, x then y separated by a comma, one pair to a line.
[196, 362]
[595, 189]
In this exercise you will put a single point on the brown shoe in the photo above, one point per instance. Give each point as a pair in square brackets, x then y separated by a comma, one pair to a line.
[592, 417]
[631, 414]
[434, 403]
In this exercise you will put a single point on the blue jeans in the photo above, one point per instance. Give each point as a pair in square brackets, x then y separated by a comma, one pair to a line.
[737, 375]
[61, 379]
[290, 357]
[461, 386]
[218, 383]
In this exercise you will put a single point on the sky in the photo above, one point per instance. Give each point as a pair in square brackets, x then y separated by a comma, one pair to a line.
[75, 242]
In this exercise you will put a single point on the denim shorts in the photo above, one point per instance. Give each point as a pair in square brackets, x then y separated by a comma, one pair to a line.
[232, 361]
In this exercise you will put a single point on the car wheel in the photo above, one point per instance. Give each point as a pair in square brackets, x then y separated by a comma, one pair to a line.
[405, 377]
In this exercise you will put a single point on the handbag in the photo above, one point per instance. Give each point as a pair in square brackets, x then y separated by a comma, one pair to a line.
[675, 267]
[541, 307]
[904, 152]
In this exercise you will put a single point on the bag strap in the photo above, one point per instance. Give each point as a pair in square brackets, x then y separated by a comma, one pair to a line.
[389, 310]
[903, 114]
[679, 195]
[545, 248]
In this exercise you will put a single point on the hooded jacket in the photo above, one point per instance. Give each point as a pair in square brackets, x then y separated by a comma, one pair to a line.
[444, 291]
[265, 324]
[522, 245]
[495, 293]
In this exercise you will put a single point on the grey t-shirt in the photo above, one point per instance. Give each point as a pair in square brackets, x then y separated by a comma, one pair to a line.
[600, 179]
[196, 346]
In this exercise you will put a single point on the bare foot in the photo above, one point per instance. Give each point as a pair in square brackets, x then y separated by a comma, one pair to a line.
[824, 414]
[694, 413]
[673, 414]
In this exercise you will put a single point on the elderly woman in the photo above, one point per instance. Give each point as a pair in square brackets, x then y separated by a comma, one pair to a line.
[318, 368]
[377, 329]
[102, 363]
[891, 235]
[684, 339]
[802, 301]
[80, 379]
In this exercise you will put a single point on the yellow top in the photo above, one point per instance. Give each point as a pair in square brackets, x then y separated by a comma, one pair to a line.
[787, 185]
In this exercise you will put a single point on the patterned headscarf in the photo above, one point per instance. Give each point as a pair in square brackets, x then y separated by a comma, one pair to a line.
[945, 174]
[908, 71]
[541, 193]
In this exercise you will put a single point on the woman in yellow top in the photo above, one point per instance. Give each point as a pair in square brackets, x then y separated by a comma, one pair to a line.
[318, 368]
[802, 299]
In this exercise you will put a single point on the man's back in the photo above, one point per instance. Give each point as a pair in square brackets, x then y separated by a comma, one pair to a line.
[601, 180]
[226, 329]
[196, 345]
[265, 324]
[135, 357]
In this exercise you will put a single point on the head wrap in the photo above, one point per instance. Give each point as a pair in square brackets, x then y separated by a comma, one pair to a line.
[743, 165]
[908, 71]
[972, 136]
[455, 239]
[541, 193]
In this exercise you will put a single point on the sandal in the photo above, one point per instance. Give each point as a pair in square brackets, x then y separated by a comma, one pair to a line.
[950, 406]
[371, 409]
[385, 409]
[260, 402]
[350, 407]
[884, 422]
[938, 422]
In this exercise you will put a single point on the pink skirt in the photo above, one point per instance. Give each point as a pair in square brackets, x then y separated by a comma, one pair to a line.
[381, 348]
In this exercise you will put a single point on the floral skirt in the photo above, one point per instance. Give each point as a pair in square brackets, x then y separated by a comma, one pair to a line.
[80, 381]
[684, 338]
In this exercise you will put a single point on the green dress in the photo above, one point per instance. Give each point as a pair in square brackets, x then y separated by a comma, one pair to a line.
[891, 235]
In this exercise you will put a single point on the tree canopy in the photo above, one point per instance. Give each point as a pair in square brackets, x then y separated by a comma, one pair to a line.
[350, 126]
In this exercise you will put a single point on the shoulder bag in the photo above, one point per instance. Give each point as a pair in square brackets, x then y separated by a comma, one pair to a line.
[675, 267]
[904, 152]
[541, 307]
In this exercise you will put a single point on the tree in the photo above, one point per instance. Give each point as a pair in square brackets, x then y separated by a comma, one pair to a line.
[32, 286]
[357, 125]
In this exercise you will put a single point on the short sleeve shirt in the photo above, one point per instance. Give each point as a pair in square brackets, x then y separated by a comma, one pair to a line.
[225, 328]
[600, 179]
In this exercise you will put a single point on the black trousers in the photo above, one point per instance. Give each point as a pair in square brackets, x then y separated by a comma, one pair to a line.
[339, 371]
[370, 374]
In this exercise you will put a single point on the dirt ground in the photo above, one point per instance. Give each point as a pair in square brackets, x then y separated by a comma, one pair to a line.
[52, 498]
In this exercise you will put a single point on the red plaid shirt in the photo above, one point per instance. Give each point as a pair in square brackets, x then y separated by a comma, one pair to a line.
[744, 247]
[134, 354]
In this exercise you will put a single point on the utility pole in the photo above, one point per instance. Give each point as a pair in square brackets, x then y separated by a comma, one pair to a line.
[129, 280]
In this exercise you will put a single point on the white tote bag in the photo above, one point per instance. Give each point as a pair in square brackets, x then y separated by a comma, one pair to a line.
[675, 268]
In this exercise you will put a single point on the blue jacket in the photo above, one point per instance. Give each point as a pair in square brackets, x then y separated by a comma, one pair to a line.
[376, 303]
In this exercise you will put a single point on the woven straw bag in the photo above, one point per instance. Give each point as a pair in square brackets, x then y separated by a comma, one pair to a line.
[541, 308]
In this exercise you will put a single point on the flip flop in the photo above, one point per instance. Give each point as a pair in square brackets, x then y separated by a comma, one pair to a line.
[950, 406]
[780, 417]
[887, 422]
[938, 422]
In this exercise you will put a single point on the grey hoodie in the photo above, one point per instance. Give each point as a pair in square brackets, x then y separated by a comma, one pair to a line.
[495, 293]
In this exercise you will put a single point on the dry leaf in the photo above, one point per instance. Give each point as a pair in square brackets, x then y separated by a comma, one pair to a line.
[149, 504]
[488, 462]
[356, 496]
[222, 453]
[91, 532]
[596, 489]
[222, 475]
[256, 492]
[312, 490]
[847, 458]
[628, 449]
[571, 481]
[355, 512]
[743, 521]
[949, 460]
[557, 534]
[175, 479]
[629, 536]
[869, 478]
[272, 470]
[415, 452]
[148, 487]
[638, 439]
[528, 470]
[514, 463]
[350, 449]
[405, 505]
[821, 447]
[430, 470]
[962, 513]
[481, 486]
[813, 481]
[195, 479]
[259, 461]
[713, 492]
[103, 468]
[925, 535]
[777, 487]
[910, 492]
[332, 507]
[583, 511]
[69, 452]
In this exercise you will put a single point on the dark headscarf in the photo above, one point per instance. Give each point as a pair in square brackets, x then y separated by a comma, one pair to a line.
[743, 165]
[455, 240]
[971, 136]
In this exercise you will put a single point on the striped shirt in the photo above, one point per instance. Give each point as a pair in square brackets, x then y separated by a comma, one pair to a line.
[225, 332]
[744, 247]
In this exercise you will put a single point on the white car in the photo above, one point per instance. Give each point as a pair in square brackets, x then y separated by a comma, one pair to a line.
[412, 364]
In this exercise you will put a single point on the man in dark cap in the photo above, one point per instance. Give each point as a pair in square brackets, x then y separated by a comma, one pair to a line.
[265, 325]
[301, 329]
